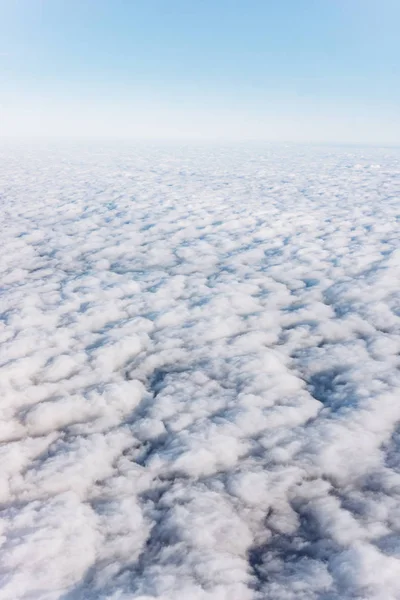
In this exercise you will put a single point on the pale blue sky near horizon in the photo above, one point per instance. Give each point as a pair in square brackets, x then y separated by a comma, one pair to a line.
[312, 71]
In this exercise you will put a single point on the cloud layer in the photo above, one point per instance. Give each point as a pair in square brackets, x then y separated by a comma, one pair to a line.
[200, 354]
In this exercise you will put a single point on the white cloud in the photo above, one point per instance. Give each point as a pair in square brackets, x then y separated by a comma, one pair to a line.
[199, 373]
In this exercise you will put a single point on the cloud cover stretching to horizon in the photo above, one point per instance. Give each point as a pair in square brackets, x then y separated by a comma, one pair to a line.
[199, 373]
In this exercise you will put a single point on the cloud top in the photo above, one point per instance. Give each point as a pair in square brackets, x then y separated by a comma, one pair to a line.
[199, 354]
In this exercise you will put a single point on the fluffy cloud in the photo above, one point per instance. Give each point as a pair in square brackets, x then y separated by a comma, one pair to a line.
[199, 374]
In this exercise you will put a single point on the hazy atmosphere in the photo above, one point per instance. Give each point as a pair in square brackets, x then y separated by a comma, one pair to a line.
[297, 70]
[199, 300]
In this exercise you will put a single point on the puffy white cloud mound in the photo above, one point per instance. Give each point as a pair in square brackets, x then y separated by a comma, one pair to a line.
[199, 373]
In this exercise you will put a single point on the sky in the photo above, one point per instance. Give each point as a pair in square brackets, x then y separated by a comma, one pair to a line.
[294, 70]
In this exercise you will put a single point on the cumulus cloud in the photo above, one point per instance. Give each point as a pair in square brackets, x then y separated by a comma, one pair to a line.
[199, 373]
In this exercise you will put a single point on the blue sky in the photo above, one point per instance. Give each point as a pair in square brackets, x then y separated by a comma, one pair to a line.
[300, 70]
